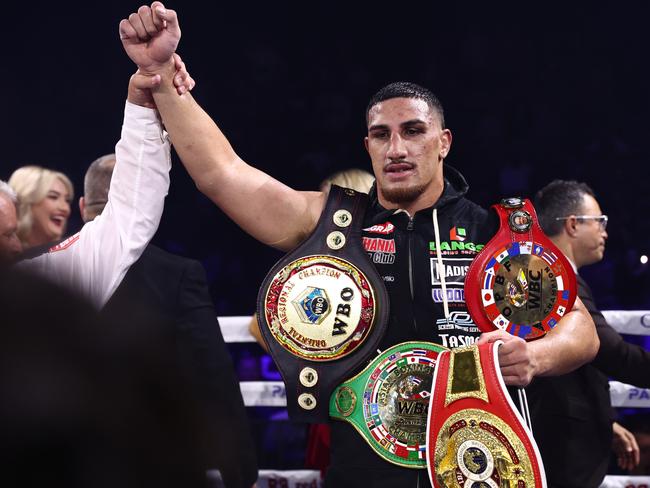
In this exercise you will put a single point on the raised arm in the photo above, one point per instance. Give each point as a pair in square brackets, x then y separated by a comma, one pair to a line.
[94, 260]
[265, 208]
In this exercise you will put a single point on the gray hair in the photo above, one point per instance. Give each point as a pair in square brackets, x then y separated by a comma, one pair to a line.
[9, 192]
[96, 184]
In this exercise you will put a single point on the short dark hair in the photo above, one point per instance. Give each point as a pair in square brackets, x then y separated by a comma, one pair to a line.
[560, 198]
[405, 89]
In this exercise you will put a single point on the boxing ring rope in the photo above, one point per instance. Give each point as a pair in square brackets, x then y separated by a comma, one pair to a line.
[633, 322]
[272, 394]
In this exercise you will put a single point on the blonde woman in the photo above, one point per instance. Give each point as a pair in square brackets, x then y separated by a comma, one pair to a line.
[44, 198]
[355, 178]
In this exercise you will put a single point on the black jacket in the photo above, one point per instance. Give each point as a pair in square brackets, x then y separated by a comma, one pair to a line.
[572, 414]
[175, 289]
[403, 250]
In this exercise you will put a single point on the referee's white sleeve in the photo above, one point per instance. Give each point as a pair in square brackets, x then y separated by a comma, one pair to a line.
[95, 260]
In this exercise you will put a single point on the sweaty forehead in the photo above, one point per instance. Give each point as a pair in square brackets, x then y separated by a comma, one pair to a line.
[399, 110]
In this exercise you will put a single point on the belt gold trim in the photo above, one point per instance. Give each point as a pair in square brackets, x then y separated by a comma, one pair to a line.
[323, 308]
[520, 281]
[475, 435]
[387, 402]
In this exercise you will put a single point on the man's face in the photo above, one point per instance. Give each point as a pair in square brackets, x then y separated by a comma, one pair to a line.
[407, 144]
[10, 247]
[590, 236]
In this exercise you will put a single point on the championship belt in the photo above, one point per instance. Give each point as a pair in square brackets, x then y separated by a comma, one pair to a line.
[520, 282]
[388, 402]
[323, 308]
[476, 437]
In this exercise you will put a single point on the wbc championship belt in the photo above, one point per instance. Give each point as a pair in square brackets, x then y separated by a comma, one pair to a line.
[388, 402]
[476, 437]
[323, 308]
[520, 281]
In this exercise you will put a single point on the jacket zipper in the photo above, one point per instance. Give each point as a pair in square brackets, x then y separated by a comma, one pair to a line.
[409, 228]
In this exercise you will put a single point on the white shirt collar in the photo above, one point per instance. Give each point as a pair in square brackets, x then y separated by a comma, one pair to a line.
[573, 265]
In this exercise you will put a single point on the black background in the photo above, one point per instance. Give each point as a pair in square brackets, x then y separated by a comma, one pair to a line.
[532, 92]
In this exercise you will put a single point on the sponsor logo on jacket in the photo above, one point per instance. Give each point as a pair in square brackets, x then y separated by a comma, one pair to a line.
[454, 270]
[381, 251]
[457, 234]
[457, 320]
[456, 247]
[454, 295]
[458, 244]
[385, 228]
[453, 341]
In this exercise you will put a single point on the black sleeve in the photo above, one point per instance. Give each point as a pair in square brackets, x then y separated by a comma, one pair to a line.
[621, 360]
[618, 359]
[216, 381]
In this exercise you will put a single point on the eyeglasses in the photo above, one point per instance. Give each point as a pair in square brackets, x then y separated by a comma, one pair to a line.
[601, 219]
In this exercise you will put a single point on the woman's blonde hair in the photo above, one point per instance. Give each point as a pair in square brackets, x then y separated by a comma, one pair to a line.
[354, 178]
[31, 184]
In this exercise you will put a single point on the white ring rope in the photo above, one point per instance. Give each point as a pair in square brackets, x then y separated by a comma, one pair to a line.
[272, 394]
[635, 322]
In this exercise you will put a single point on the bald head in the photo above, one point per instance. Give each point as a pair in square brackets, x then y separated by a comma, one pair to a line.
[10, 247]
[96, 184]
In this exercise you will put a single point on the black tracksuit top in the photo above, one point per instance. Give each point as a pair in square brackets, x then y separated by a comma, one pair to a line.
[404, 252]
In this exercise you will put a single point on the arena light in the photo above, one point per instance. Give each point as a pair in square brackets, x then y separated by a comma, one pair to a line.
[643, 259]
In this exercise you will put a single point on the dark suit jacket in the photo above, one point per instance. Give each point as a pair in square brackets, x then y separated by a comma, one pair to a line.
[572, 414]
[175, 288]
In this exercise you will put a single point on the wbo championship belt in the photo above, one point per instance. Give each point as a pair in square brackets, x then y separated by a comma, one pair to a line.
[323, 308]
[388, 402]
[520, 281]
[476, 437]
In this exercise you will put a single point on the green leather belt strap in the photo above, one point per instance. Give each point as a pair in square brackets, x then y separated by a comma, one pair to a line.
[388, 402]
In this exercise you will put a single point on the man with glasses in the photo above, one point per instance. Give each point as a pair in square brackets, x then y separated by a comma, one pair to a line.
[571, 414]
